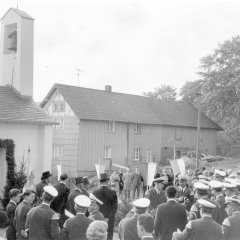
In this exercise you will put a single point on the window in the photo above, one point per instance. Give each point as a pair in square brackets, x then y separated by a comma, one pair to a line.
[60, 124]
[111, 126]
[136, 154]
[57, 151]
[137, 128]
[107, 152]
[59, 107]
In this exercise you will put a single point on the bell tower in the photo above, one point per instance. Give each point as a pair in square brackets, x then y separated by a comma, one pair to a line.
[16, 51]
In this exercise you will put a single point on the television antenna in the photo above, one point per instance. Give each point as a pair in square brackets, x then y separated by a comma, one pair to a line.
[79, 70]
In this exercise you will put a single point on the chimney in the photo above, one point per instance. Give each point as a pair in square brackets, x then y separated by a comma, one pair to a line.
[16, 56]
[108, 88]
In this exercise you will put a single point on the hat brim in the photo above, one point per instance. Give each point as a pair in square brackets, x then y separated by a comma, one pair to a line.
[46, 176]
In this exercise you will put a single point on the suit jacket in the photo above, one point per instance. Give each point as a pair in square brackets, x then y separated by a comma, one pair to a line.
[155, 198]
[75, 228]
[21, 215]
[205, 228]
[188, 198]
[59, 204]
[128, 228]
[169, 217]
[42, 223]
[74, 193]
[96, 215]
[109, 199]
[217, 215]
[221, 201]
[39, 188]
[11, 230]
[231, 227]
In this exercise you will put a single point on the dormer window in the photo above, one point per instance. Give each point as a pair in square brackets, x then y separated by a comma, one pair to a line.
[111, 126]
[137, 128]
[59, 106]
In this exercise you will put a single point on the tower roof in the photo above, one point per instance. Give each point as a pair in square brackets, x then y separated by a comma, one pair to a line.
[19, 12]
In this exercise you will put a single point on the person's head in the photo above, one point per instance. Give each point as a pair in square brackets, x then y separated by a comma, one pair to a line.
[29, 196]
[95, 203]
[159, 181]
[201, 190]
[219, 175]
[229, 189]
[82, 203]
[216, 187]
[49, 194]
[104, 179]
[79, 183]
[171, 192]
[15, 195]
[97, 230]
[64, 178]
[85, 182]
[206, 207]
[231, 205]
[140, 205]
[145, 224]
[182, 180]
[46, 176]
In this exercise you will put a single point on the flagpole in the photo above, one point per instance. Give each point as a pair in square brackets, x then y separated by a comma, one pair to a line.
[28, 163]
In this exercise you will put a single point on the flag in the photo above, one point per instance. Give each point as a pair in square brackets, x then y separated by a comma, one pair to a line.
[178, 166]
[59, 170]
[151, 172]
[99, 169]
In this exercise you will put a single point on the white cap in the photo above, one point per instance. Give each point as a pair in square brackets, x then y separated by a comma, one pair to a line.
[228, 185]
[236, 182]
[202, 177]
[52, 191]
[231, 200]
[163, 179]
[141, 203]
[182, 176]
[233, 175]
[204, 181]
[95, 199]
[228, 180]
[220, 173]
[82, 201]
[215, 184]
[206, 203]
[200, 185]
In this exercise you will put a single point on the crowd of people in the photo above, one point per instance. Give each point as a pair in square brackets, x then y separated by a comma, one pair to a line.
[201, 205]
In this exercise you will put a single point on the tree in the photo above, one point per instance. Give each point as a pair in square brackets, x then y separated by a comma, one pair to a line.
[164, 92]
[219, 85]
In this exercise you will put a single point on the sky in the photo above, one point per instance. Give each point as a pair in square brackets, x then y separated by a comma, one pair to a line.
[132, 45]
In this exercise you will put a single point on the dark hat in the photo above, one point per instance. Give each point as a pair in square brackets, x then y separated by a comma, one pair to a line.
[85, 180]
[45, 175]
[3, 219]
[104, 177]
[63, 176]
[78, 180]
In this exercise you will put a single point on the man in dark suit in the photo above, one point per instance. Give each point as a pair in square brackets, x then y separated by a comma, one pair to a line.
[170, 216]
[45, 180]
[21, 212]
[231, 224]
[78, 190]
[145, 225]
[156, 195]
[75, 228]
[14, 195]
[59, 204]
[110, 202]
[204, 228]
[128, 226]
[42, 221]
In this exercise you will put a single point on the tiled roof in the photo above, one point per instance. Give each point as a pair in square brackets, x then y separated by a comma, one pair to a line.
[20, 109]
[111, 106]
[19, 12]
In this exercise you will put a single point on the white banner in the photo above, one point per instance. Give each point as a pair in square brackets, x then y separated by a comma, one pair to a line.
[181, 165]
[99, 169]
[178, 166]
[59, 171]
[151, 173]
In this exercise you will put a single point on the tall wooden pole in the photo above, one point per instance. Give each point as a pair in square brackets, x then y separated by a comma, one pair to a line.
[198, 138]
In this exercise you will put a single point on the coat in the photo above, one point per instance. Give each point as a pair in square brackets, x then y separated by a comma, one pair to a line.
[42, 223]
[169, 217]
[205, 228]
[231, 227]
[188, 197]
[59, 204]
[96, 215]
[128, 228]
[127, 181]
[74, 193]
[21, 215]
[221, 201]
[155, 198]
[39, 188]
[75, 228]
[11, 230]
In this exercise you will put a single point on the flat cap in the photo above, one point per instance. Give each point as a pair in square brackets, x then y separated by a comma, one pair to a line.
[220, 173]
[215, 184]
[52, 191]
[200, 185]
[95, 199]
[82, 201]
[205, 203]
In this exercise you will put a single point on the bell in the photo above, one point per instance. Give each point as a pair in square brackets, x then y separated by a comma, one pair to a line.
[13, 41]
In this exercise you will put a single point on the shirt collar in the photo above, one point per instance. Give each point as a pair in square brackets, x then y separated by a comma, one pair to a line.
[79, 213]
[172, 199]
[206, 215]
[236, 213]
[147, 236]
[13, 202]
[26, 202]
[47, 204]
[63, 183]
